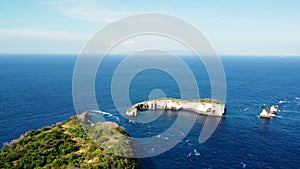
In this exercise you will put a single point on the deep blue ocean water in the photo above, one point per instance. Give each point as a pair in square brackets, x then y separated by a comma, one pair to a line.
[36, 91]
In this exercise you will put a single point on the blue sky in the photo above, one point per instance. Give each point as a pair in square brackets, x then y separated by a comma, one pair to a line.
[233, 26]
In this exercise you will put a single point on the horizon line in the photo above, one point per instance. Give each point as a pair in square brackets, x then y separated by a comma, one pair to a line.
[180, 54]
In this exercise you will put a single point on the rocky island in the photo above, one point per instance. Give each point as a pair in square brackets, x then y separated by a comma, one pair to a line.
[268, 113]
[201, 106]
[67, 145]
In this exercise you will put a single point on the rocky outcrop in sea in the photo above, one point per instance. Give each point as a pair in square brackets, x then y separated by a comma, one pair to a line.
[201, 106]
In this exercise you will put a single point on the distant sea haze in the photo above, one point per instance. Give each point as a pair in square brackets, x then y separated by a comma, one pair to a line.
[37, 91]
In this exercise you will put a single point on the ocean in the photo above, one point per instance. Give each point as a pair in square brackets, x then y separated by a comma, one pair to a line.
[36, 91]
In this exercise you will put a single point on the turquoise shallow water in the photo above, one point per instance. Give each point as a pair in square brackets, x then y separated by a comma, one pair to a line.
[37, 91]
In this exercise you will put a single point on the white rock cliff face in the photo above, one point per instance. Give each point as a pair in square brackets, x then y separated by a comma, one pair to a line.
[205, 106]
[265, 114]
[274, 109]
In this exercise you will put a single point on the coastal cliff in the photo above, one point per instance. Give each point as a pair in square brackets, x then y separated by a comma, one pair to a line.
[66, 145]
[202, 106]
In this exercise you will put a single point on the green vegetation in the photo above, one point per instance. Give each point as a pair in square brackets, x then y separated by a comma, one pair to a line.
[66, 145]
[208, 101]
[267, 109]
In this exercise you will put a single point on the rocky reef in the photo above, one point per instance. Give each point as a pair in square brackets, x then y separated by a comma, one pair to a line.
[201, 106]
